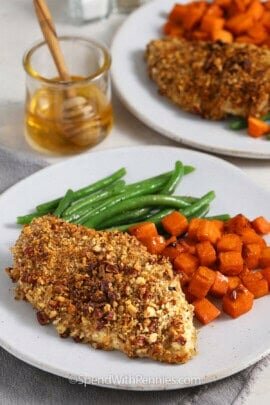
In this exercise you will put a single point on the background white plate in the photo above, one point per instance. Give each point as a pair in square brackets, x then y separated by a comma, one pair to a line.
[225, 347]
[140, 95]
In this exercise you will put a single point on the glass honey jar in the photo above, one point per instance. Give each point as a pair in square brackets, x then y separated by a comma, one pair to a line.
[68, 117]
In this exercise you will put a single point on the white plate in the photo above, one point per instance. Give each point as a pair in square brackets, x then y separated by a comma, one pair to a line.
[140, 94]
[225, 347]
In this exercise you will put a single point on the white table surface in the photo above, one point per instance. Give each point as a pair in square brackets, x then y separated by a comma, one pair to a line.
[18, 30]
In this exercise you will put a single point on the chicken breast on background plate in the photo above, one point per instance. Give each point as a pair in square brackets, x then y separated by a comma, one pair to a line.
[103, 288]
[211, 79]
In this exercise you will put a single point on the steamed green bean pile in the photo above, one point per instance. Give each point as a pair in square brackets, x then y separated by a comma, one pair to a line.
[110, 203]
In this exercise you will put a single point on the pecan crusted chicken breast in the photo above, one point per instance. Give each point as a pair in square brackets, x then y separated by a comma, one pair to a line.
[103, 288]
[212, 79]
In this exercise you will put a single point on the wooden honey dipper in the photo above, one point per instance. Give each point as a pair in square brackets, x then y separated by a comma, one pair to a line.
[74, 107]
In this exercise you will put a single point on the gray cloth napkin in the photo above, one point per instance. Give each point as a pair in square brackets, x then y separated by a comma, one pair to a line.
[25, 385]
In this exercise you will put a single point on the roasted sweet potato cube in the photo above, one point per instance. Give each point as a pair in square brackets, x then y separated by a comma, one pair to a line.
[266, 20]
[239, 23]
[219, 224]
[265, 257]
[244, 271]
[193, 227]
[175, 223]
[248, 236]
[205, 311]
[208, 231]
[194, 14]
[229, 242]
[266, 274]
[256, 9]
[237, 302]
[189, 245]
[178, 13]
[154, 244]
[189, 297]
[214, 10]
[237, 224]
[143, 230]
[223, 3]
[261, 225]
[206, 253]
[186, 262]
[234, 281]
[184, 278]
[171, 252]
[251, 255]
[230, 263]
[210, 23]
[201, 282]
[255, 283]
[220, 286]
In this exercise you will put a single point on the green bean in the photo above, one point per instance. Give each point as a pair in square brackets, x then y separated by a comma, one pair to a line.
[188, 169]
[164, 176]
[187, 198]
[167, 189]
[87, 201]
[27, 219]
[200, 213]
[131, 191]
[266, 117]
[82, 192]
[156, 218]
[140, 214]
[221, 217]
[50, 206]
[174, 180]
[64, 203]
[238, 123]
[135, 203]
[194, 208]
[148, 186]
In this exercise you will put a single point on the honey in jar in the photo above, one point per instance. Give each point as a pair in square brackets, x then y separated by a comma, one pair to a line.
[46, 127]
[67, 117]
